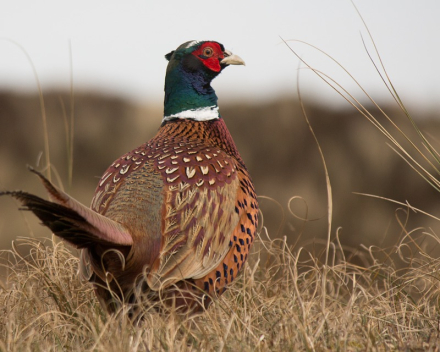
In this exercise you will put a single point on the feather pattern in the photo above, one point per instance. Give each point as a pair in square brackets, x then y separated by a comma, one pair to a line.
[205, 198]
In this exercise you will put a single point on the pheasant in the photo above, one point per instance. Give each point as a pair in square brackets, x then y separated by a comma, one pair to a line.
[174, 219]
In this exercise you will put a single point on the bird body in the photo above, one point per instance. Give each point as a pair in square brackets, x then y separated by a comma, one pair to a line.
[175, 217]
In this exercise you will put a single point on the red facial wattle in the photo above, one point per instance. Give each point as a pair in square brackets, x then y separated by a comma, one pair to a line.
[212, 60]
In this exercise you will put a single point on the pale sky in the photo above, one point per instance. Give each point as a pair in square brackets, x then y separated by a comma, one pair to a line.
[118, 47]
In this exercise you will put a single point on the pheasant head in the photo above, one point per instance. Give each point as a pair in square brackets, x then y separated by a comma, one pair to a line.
[191, 68]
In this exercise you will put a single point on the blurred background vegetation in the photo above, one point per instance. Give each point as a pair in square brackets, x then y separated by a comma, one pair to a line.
[274, 141]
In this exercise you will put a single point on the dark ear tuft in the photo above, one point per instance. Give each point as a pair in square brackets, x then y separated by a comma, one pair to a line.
[168, 56]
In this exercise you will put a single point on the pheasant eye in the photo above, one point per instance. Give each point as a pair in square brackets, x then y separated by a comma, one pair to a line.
[208, 52]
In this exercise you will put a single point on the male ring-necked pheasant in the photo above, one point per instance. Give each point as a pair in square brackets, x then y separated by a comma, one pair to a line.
[174, 218]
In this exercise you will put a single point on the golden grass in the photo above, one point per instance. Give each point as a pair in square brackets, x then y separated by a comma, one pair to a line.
[275, 305]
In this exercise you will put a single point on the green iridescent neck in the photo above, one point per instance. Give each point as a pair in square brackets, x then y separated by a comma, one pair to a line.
[188, 94]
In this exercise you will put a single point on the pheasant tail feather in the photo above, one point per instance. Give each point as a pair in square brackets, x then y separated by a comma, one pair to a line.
[71, 220]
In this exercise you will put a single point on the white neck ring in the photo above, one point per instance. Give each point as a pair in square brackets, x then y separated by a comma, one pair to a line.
[201, 114]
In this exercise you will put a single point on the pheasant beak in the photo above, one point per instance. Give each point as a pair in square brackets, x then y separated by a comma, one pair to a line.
[231, 59]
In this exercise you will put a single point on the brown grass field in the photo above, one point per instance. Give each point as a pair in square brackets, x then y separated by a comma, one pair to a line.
[285, 300]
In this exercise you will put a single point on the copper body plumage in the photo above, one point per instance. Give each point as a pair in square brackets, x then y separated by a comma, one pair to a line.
[192, 180]
[172, 220]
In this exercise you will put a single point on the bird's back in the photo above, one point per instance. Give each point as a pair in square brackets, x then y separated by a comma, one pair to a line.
[188, 201]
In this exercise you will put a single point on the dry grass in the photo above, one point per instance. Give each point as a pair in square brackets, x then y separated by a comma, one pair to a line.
[277, 304]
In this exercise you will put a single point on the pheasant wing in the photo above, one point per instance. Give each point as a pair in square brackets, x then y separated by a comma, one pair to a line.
[200, 187]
